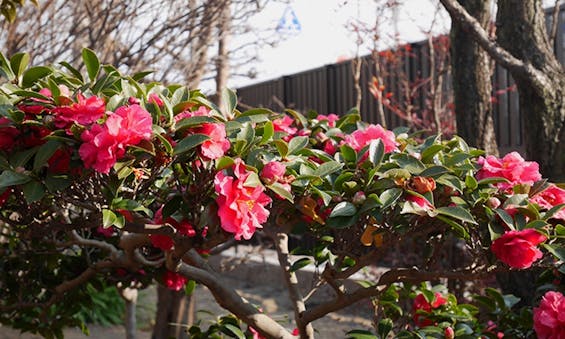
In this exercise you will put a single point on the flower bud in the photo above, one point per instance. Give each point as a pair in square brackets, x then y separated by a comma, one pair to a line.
[493, 202]
[449, 333]
[359, 198]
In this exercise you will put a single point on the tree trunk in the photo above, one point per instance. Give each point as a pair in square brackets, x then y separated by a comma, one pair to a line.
[130, 298]
[222, 60]
[521, 31]
[173, 314]
[471, 81]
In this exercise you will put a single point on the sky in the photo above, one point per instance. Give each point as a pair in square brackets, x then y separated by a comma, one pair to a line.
[326, 37]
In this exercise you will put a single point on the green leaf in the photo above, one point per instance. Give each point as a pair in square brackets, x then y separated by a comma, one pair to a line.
[300, 263]
[10, 178]
[268, 132]
[557, 250]
[343, 209]
[457, 213]
[56, 183]
[471, 182]
[280, 190]
[430, 152]
[91, 62]
[376, 152]
[19, 62]
[384, 327]
[434, 171]
[459, 230]
[5, 68]
[348, 153]
[492, 180]
[193, 122]
[296, 144]
[327, 168]
[189, 143]
[505, 217]
[224, 162]
[390, 196]
[323, 195]
[33, 191]
[552, 211]
[282, 148]
[229, 101]
[33, 74]
[360, 334]
[44, 153]
[73, 70]
[342, 222]
[189, 287]
[108, 218]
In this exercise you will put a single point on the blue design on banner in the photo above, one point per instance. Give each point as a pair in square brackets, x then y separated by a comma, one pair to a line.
[288, 23]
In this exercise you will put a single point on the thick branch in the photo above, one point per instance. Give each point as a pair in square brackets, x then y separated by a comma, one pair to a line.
[281, 244]
[502, 56]
[233, 302]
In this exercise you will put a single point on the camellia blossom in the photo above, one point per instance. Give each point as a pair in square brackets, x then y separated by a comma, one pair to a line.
[423, 184]
[202, 111]
[217, 145]
[8, 134]
[241, 205]
[283, 125]
[104, 144]
[330, 118]
[511, 167]
[421, 304]
[518, 249]
[174, 281]
[550, 197]
[361, 138]
[549, 316]
[273, 171]
[84, 112]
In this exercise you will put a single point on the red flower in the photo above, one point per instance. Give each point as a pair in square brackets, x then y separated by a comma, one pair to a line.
[421, 304]
[174, 281]
[273, 171]
[8, 134]
[283, 125]
[217, 145]
[5, 196]
[518, 249]
[551, 196]
[164, 242]
[511, 167]
[241, 204]
[154, 99]
[84, 112]
[361, 138]
[330, 118]
[549, 317]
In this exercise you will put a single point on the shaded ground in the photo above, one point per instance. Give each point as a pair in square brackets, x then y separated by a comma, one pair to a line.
[258, 281]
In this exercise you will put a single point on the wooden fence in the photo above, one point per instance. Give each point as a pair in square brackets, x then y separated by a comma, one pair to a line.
[330, 89]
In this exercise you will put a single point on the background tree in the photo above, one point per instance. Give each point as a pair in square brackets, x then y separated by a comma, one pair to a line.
[472, 80]
[523, 47]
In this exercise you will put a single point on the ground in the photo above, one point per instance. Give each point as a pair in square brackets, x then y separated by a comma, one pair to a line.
[256, 278]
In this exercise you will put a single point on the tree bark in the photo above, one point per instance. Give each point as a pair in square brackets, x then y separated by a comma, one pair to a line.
[172, 314]
[222, 59]
[521, 31]
[471, 81]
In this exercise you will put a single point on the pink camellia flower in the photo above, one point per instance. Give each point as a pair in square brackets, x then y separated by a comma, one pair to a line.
[518, 249]
[202, 111]
[283, 125]
[421, 304]
[174, 281]
[273, 171]
[153, 98]
[241, 205]
[8, 134]
[104, 144]
[361, 138]
[217, 145]
[330, 118]
[551, 196]
[511, 167]
[84, 112]
[549, 317]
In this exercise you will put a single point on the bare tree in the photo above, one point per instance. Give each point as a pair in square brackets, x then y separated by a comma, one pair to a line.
[177, 38]
[471, 81]
[523, 47]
